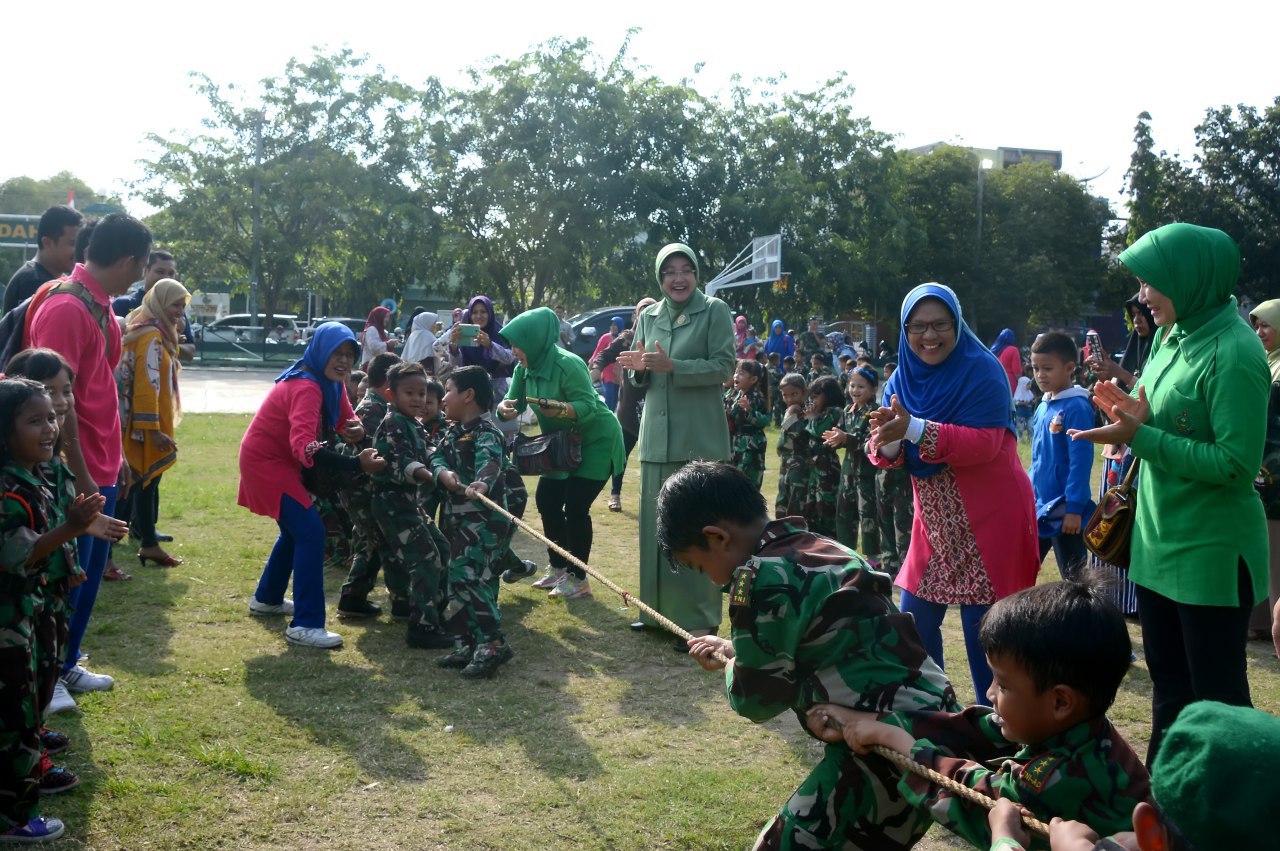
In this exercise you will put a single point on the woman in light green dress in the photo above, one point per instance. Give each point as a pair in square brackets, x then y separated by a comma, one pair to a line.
[684, 352]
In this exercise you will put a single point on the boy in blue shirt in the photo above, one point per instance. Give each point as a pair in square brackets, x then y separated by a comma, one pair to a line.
[1060, 467]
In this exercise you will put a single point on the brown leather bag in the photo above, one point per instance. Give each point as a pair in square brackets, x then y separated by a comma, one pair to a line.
[1109, 531]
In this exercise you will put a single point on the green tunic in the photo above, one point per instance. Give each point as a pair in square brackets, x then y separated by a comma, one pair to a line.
[555, 373]
[683, 421]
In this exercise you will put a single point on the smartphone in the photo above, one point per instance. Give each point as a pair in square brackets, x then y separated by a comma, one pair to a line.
[1095, 345]
[467, 334]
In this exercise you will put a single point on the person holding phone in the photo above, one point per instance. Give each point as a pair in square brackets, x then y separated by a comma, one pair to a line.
[475, 341]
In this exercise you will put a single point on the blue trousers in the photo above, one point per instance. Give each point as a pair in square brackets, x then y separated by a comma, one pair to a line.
[928, 617]
[93, 560]
[298, 551]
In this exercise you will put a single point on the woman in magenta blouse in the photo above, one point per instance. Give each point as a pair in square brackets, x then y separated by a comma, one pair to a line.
[950, 421]
[306, 405]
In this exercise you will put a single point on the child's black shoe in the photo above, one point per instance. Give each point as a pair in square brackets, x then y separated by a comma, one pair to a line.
[350, 606]
[459, 658]
[401, 608]
[426, 638]
[487, 660]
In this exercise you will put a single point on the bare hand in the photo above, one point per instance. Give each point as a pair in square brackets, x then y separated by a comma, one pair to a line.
[476, 489]
[744, 403]
[448, 480]
[125, 480]
[819, 722]
[1126, 414]
[482, 339]
[1071, 524]
[1071, 834]
[107, 528]
[835, 438]
[889, 424]
[353, 431]
[1005, 821]
[702, 647]
[658, 360]
[506, 410]
[162, 441]
[632, 359]
[371, 461]
[83, 510]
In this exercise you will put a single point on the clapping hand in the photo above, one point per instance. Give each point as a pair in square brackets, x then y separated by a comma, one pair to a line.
[889, 424]
[1125, 412]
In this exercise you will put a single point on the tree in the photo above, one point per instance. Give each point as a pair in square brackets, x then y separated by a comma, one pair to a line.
[29, 196]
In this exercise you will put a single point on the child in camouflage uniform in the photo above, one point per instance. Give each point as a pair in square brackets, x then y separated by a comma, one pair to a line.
[894, 510]
[397, 504]
[856, 503]
[471, 460]
[820, 367]
[775, 373]
[37, 534]
[367, 543]
[823, 484]
[811, 623]
[747, 407]
[793, 449]
[1058, 652]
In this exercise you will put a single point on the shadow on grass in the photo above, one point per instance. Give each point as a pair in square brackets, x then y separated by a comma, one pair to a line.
[134, 635]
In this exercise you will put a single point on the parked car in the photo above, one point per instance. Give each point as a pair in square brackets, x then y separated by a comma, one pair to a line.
[238, 328]
[588, 326]
[356, 325]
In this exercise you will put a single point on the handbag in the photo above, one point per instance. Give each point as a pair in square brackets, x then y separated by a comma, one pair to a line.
[1110, 530]
[554, 452]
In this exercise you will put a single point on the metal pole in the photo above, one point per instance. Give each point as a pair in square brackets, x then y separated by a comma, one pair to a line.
[257, 220]
[977, 255]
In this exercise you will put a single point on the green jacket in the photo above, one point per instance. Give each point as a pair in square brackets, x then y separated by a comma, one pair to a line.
[556, 373]
[1197, 511]
[684, 409]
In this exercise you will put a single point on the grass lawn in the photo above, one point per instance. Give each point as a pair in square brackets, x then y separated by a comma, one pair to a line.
[220, 735]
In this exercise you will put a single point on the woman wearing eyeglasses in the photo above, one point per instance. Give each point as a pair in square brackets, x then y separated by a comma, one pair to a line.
[950, 421]
[683, 353]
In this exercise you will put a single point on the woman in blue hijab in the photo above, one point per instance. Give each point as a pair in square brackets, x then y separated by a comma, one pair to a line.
[950, 421]
[306, 407]
[779, 342]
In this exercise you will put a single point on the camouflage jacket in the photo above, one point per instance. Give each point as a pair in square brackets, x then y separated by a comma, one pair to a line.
[402, 441]
[808, 344]
[371, 411]
[857, 422]
[1087, 773]
[751, 421]
[27, 511]
[475, 452]
[823, 460]
[812, 623]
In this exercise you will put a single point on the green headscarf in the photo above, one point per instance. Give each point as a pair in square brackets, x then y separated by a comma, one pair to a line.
[1196, 267]
[1269, 312]
[667, 250]
[536, 333]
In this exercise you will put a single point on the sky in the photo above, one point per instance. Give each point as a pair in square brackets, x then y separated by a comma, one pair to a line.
[1069, 77]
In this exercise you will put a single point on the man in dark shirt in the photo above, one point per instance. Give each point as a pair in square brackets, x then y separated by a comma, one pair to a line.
[55, 257]
[160, 265]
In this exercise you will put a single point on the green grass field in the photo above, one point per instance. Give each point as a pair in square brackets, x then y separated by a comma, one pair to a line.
[220, 735]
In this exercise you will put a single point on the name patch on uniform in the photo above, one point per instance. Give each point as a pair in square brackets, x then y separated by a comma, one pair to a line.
[740, 594]
[1039, 770]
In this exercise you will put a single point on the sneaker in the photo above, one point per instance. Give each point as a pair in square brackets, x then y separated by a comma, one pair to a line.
[426, 638]
[55, 778]
[38, 829]
[354, 607]
[459, 658]
[257, 607]
[550, 578]
[527, 569]
[52, 741]
[81, 679]
[571, 589]
[62, 700]
[401, 608]
[313, 636]
[487, 660]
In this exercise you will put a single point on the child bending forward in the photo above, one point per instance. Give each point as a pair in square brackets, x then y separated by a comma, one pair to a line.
[811, 623]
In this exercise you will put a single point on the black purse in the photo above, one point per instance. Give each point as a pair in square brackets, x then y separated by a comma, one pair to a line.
[555, 452]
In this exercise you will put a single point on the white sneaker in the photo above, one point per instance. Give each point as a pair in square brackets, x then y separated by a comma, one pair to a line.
[313, 636]
[550, 578]
[571, 589]
[80, 679]
[257, 607]
[62, 700]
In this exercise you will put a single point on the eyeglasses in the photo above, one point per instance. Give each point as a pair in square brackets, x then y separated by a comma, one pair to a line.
[942, 326]
[686, 272]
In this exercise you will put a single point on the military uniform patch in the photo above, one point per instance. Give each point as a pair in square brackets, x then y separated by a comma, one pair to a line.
[740, 594]
[1039, 770]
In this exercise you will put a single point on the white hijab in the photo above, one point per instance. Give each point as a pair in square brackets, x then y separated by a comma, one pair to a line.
[421, 340]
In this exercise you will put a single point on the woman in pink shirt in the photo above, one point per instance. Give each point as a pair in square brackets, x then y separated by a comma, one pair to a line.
[306, 406]
[950, 421]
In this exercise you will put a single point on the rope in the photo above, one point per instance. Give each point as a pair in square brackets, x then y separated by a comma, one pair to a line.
[905, 762]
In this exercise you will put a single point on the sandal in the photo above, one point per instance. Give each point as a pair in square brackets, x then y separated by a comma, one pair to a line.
[115, 574]
[615, 502]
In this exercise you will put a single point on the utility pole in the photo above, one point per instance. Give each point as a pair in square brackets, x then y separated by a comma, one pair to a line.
[256, 256]
[972, 318]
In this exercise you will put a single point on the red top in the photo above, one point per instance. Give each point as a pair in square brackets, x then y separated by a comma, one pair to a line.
[1011, 359]
[279, 443]
[63, 323]
[973, 538]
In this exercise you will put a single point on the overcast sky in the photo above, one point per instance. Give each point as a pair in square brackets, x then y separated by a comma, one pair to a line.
[1071, 77]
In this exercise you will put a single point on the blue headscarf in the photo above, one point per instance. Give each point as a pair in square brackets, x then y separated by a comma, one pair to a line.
[969, 388]
[324, 342]
[779, 342]
[1004, 341]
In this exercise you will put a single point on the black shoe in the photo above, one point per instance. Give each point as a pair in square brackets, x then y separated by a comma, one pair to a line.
[426, 638]
[459, 658]
[357, 607]
[486, 661]
[52, 741]
[400, 609]
[526, 569]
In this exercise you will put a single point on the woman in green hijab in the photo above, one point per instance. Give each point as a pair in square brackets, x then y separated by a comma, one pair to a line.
[1196, 423]
[684, 352]
[1266, 324]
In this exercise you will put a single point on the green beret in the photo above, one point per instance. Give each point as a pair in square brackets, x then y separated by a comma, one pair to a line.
[667, 251]
[1214, 776]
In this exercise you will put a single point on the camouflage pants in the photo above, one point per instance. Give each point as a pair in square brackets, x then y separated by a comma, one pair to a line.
[894, 514]
[19, 737]
[337, 528]
[748, 456]
[820, 500]
[856, 514]
[792, 487]
[410, 550]
[50, 633]
[479, 550]
[369, 547]
[847, 802]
